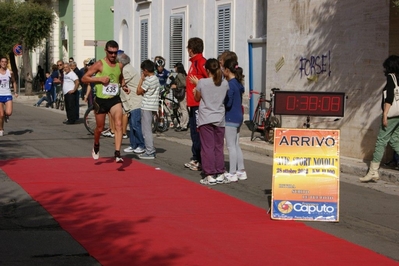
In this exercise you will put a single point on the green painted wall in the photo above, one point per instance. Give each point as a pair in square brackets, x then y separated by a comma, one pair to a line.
[66, 17]
[104, 24]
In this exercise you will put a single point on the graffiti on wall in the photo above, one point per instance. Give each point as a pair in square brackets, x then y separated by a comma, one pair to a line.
[315, 65]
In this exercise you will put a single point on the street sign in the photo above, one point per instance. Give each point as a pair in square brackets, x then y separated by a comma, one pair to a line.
[94, 43]
[17, 49]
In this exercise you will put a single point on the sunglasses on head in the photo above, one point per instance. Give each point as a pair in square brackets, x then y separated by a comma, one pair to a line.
[110, 52]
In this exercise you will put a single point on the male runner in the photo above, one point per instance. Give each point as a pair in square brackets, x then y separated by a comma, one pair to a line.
[108, 76]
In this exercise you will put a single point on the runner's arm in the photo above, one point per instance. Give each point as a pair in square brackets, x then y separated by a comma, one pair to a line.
[89, 75]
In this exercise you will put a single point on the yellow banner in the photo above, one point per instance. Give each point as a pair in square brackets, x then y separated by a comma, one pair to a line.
[305, 183]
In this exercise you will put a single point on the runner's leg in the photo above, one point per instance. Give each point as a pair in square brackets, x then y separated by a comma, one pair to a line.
[116, 115]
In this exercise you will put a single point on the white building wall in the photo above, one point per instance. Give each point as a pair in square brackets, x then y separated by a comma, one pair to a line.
[83, 24]
[200, 21]
[353, 35]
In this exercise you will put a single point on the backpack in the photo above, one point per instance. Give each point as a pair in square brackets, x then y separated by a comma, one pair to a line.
[180, 92]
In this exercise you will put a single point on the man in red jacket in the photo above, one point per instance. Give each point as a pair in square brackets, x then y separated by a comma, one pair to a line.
[195, 48]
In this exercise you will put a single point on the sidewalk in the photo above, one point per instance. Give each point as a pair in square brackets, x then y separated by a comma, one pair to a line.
[349, 166]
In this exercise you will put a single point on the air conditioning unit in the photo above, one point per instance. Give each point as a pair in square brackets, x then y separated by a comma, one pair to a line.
[139, 2]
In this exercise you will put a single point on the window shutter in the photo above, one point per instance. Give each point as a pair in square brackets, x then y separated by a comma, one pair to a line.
[176, 40]
[224, 28]
[144, 40]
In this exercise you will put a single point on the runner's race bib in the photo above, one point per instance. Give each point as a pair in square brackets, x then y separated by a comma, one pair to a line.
[112, 89]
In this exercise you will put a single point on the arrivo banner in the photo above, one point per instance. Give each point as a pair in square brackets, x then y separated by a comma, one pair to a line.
[305, 184]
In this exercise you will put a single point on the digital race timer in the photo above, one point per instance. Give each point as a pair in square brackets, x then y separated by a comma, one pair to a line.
[309, 103]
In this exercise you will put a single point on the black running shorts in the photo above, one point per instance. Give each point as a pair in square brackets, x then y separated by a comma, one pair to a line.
[103, 106]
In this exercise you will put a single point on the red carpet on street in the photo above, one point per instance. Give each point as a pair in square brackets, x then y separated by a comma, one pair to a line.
[135, 214]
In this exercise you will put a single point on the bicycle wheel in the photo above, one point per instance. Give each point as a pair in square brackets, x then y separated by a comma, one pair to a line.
[272, 123]
[57, 103]
[163, 124]
[89, 120]
[154, 122]
[255, 121]
[62, 103]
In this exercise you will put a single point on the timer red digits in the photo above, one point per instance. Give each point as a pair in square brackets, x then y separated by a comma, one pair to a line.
[309, 103]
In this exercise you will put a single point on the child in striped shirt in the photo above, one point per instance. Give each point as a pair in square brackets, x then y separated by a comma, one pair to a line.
[148, 87]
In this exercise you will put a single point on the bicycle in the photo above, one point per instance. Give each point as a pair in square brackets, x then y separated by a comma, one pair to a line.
[263, 118]
[59, 100]
[168, 107]
[89, 120]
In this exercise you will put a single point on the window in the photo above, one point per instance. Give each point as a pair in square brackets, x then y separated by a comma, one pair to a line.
[176, 40]
[144, 40]
[224, 28]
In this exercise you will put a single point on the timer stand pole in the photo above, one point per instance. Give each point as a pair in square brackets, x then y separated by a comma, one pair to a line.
[307, 124]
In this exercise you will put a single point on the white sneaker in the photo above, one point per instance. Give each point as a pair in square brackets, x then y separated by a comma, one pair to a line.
[191, 163]
[1, 133]
[124, 136]
[208, 180]
[221, 179]
[241, 175]
[139, 150]
[118, 159]
[108, 134]
[129, 149]
[95, 156]
[231, 177]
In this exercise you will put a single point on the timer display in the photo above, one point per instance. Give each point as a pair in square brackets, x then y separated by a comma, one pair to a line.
[309, 103]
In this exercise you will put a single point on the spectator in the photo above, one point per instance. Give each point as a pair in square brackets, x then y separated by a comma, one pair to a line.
[211, 93]
[89, 91]
[132, 103]
[40, 75]
[234, 118]
[83, 71]
[47, 87]
[77, 95]
[178, 86]
[149, 88]
[70, 89]
[195, 48]
[161, 73]
[389, 128]
[57, 77]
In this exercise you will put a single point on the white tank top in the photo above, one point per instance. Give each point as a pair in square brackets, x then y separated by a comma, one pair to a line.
[5, 83]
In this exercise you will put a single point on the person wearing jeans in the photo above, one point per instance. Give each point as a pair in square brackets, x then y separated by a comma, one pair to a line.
[136, 134]
[131, 104]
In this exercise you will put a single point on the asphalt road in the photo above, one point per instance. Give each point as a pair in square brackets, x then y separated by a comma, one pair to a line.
[29, 236]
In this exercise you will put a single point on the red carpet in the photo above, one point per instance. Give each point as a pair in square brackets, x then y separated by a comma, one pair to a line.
[137, 215]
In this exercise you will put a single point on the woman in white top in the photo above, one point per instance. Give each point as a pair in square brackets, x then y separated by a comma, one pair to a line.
[6, 78]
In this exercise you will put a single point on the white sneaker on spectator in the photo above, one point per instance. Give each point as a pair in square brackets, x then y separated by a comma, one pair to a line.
[191, 163]
[231, 177]
[124, 136]
[221, 179]
[241, 175]
[129, 149]
[208, 180]
[1, 133]
[139, 150]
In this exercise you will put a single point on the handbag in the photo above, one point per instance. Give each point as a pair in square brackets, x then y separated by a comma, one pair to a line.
[394, 110]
